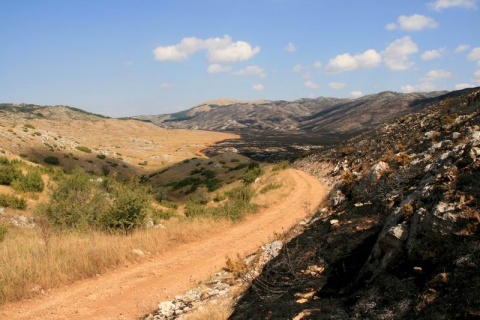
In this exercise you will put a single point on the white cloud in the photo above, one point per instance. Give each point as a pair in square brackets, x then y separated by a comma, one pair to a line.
[217, 68]
[311, 85]
[396, 55]
[424, 86]
[337, 85]
[258, 87]
[356, 94]
[317, 64]
[307, 75]
[347, 62]
[291, 47]
[165, 85]
[219, 50]
[476, 76]
[128, 63]
[391, 26]
[461, 48]
[414, 22]
[437, 74]
[297, 68]
[460, 86]
[445, 4]
[251, 71]
[433, 54]
[407, 88]
[474, 54]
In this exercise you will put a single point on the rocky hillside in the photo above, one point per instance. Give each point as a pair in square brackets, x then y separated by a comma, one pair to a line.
[58, 113]
[68, 138]
[304, 117]
[399, 235]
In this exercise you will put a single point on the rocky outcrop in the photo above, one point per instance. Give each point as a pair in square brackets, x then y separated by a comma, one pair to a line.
[398, 237]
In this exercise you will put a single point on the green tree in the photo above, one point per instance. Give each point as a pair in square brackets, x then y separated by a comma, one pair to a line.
[129, 209]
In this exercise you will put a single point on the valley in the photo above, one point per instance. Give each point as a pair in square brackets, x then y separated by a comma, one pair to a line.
[153, 212]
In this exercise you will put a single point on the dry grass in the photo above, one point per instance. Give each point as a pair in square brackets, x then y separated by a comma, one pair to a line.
[28, 267]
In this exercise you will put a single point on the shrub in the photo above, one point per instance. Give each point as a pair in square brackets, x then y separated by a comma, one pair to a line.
[75, 204]
[8, 173]
[31, 182]
[162, 215]
[3, 231]
[269, 187]
[282, 165]
[11, 201]
[252, 174]
[84, 149]
[168, 204]
[101, 156]
[129, 210]
[52, 160]
[29, 126]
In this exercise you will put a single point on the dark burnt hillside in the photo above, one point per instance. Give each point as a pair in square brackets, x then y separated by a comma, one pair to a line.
[398, 237]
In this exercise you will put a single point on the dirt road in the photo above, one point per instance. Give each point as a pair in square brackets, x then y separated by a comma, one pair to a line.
[129, 293]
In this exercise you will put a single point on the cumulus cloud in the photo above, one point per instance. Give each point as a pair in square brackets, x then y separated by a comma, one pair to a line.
[436, 74]
[347, 62]
[337, 85]
[396, 55]
[258, 87]
[424, 86]
[356, 94]
[445, 4]
[217, 68]
[461, 48]
[460, 86]
[414, 22]
[165, 85]
[291, 47]
[432, 54]
[474, 54]
[311, 85]
[298, 68]
[391, 26]
[251, 71]
[219, 50]
[476, 76]
[317, 64]
[407, 88]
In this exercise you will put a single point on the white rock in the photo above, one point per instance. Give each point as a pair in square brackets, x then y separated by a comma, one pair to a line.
[138, 252]
[166, 308]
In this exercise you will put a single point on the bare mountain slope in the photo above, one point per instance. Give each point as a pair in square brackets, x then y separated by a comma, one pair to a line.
[303, 117]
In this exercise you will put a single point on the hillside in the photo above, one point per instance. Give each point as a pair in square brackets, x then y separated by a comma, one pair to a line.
[399, 235]
[102, 145]
[303, 117]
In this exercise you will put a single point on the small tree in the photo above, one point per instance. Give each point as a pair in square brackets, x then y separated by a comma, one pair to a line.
[129, 210]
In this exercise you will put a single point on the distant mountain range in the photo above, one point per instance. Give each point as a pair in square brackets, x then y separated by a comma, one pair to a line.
[303, 117]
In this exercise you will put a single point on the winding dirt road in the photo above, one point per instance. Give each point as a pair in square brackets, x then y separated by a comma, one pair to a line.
[129, 293]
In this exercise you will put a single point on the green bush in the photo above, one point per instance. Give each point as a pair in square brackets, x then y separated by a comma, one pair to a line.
[52, 160]
[3, 231]
[101, 156]
[269, 187]
[282, 165]
[31, 182]
[129, 210]
[84, 149]
[75, 203]
[162, 215]
[252, 174]
[11, 201]
[8, 173]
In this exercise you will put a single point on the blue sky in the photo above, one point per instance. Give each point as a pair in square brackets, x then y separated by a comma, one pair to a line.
[121, 58]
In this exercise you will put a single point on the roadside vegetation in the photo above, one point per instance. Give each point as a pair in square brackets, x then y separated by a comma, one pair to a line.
[77, 225]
